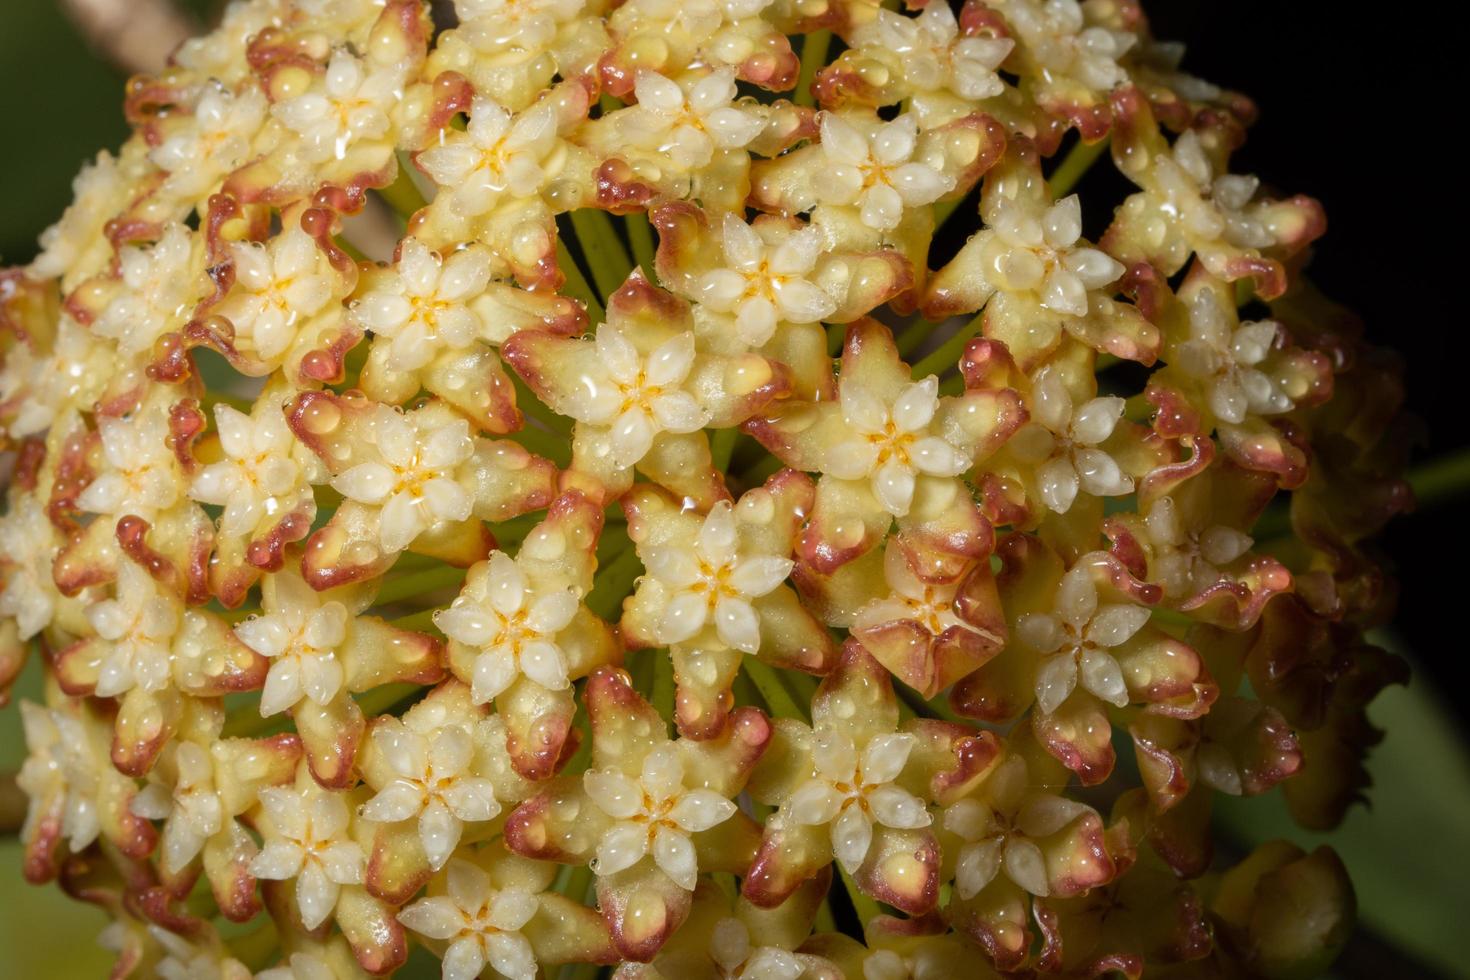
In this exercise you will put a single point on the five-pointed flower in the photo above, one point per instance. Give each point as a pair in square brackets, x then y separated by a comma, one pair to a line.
[424, 307]
[512, 624]
[688, 121]
[1064, 444]
[300, 632]
[434, 782]
[481, 923]
[875, 170]
[764, 280]
[653, 814]
[305, 831]
[708, 580]
[852, 790]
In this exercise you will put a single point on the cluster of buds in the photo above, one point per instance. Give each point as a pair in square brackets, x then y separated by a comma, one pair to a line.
[647, 486]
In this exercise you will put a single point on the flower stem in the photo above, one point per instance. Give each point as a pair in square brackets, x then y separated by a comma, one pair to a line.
[640, 235]
[403, 195]
[577, 286]
[1441, 480]
[721, 445]
[947, 354]
[417, 583]
[865, 907]
[603, 249]
[613, 585]
[767, 681]
[1074, 165]
[813, 58]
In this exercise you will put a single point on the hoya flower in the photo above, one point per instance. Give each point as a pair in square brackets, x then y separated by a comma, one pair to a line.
[192, 812]
[727, 936]
[157, 288]
[28, 546]
[773, 283]
[138, 626]
[481, 923]
[500, 156]
[306, 839]
[649, 815]
[690, 121]
[433, 783]
[263, 472]
[844, 789]
[412, 481]
[709, 581]
[931, 55]
[853, 789]
[1226, 357]
[1075, 640]
[76, 795]
[514, 627]
[141, 474]
[641, 389]
[37, 386]
[425, 305]
[320, 650]
[352, 101]
[765, 282]
[1041, 254]
[653, 815]
[1232, 379]
[199, 955]
[929, 633]
[435, 321]
[874, 169]
[300, 633]
[59, 774]
[1057, 36]
[892, 444]
[1064, 444]
[889, 447]
[490, 908]
[1036, 279]
[640, 394]
[1186, 561]
[716, 590]
[1011, 839]
[74, 245]
[669, 35]
[144, 646]
[440, 775]
[212, 141]
[520, 630]
[526, 24]
[1190, 204]
[1007, 827]
[279, 286]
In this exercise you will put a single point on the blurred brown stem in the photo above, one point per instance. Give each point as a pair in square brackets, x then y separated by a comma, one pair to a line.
[135, 35]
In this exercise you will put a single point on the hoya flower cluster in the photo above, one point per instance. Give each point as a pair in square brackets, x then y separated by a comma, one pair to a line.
[750, 518]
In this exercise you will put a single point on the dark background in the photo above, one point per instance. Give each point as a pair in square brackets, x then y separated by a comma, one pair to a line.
[1359, 109]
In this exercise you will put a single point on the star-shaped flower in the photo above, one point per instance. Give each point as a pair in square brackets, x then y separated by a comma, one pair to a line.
[306, 839]
[1064, 444]
[415, 479]
[649, 815]
[874, 169]
[715, 590]
[481, 923]
[351, 101]
[640, 390]
[520, 631]
[765, 279]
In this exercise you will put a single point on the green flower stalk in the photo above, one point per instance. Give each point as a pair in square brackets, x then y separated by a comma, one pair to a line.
[720, 537]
